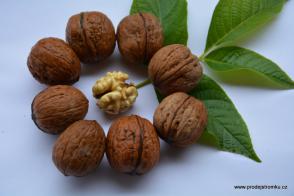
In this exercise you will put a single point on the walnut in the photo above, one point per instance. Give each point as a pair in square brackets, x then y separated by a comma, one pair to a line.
[174, 69]
[51, 61]
[113, 94]
[80, 148]
[180, 119]
[139, 36]
[91, 35]
[57, 107]
[132, 145]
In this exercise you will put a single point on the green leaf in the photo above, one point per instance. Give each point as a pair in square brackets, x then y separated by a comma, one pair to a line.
[172, 15]
[225, 129]
[225, 125]
[236, 59]
[234, 19]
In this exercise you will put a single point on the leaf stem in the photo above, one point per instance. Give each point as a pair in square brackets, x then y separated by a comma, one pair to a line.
[205, 53]
[201, 57]
[143, 83]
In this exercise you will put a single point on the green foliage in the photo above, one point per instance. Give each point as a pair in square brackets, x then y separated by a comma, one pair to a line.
[172, 15]
[234, 19]
[236, 59]
[225, 127]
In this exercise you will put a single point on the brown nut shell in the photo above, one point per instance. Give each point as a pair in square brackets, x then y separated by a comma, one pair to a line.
[80, 148]
[91, 35]
[132, 145]
[180, 119]
[57, 107]
[174, 69]
[51, 61]
[139, 37]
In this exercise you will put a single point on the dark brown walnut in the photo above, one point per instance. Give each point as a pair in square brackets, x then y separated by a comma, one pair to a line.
[139, 37]
[51, 61]
[57, 107]
[180, 119]
[174, 69]
[80, 148]
[132, 145]
[91, 35]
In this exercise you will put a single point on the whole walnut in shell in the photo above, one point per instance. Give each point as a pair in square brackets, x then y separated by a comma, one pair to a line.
[51, 61]
[80, 148]
[139, 36]
[174, 69]
[132, 145]
[91, 35]
[57, 107]
[180, 119]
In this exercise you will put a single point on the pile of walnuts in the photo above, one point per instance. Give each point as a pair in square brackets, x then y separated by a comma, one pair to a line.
[132, 144]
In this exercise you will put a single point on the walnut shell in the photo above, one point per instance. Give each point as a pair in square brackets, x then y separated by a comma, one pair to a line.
[91, 35]
[57, 107]
[51, 61]
[80, 148]
[174, 69]
[139, 37]
[180, 119]
[132, 145]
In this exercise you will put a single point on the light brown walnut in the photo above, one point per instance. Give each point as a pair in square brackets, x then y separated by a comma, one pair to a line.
[174, 69]
[91, 35]
[57, 107]
[180, 119]
[132, 145]
[139, 37]
[51, 61]
[80, 148]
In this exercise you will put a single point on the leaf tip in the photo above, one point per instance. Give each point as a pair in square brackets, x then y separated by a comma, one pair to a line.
[255, 158]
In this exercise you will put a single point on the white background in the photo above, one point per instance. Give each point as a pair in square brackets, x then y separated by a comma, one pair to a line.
[26, 167]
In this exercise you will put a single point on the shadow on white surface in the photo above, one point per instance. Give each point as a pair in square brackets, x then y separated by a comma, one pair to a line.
[125, 182]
